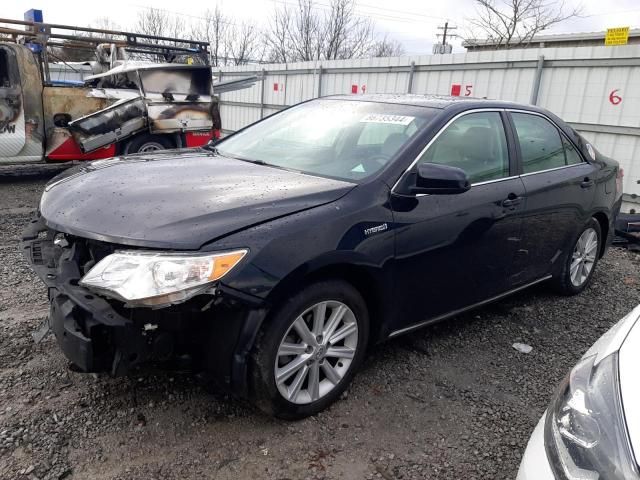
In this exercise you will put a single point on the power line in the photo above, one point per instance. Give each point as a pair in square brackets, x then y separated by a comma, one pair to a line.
[316, 6]
[173, 12]
[609, 13]
[395, 10]
[373, 16]
[323, 7]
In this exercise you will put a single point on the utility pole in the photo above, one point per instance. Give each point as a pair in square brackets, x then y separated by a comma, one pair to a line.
[440, 48]
[446, 28]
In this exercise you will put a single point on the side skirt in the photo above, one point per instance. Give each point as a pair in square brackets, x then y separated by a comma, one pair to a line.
[464, 309]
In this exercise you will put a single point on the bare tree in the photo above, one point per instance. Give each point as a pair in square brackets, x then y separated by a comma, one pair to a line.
[152, 21]
[245, 44]
[301, 33]
[387, 47]
[160, 23]
[278, 37]
[214, 29]
[306, 32]
[513, 23]
[345, 34]
[105, 23]
[178, 28]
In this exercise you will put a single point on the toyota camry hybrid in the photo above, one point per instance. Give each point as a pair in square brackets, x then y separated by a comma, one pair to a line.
[271, 260]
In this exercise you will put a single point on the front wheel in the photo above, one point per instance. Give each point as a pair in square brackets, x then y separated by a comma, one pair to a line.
[581, 261]
[147, 143]
[308, 352]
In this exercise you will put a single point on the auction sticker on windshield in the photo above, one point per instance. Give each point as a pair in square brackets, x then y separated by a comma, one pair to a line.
[394, 119]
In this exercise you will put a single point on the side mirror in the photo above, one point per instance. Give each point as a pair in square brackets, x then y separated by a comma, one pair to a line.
[436, 179]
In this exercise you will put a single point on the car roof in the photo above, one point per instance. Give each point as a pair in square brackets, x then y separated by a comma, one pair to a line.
[432, 101]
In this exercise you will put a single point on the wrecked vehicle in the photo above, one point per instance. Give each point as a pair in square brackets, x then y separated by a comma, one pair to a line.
[127, 106]
[286, 249]
[148, 108]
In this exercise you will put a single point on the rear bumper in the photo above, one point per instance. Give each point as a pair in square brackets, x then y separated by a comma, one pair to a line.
[101, 335]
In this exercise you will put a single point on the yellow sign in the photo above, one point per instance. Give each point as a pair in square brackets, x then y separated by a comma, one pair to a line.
[617, 36]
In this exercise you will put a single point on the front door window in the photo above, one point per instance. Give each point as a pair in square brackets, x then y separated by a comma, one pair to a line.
[476, 143]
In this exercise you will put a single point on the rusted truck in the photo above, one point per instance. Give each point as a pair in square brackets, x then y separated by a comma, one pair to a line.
[128, 106]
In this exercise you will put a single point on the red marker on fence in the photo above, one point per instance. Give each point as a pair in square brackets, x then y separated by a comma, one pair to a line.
[615, 99]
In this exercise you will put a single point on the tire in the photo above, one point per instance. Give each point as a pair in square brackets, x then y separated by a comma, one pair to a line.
[146, 143]
[333, 373]
[573, 281]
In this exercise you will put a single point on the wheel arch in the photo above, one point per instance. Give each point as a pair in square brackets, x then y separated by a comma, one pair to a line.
[174, 138]
[363, 278]
[603, 221]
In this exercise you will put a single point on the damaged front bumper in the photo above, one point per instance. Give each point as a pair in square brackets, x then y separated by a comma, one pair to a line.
[213, 333]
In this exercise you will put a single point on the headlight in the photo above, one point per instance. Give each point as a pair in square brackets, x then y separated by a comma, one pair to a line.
[585, 432]
[158, 279]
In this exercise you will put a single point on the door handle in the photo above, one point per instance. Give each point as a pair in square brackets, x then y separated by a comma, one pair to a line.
[512, 200]
[586, 183]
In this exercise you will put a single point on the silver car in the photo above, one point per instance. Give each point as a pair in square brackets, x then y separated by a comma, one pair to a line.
[591, 430]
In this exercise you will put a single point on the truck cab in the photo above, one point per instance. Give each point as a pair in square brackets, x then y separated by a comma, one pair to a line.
[21, 117]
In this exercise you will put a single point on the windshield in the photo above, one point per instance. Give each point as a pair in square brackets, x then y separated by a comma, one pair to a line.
[334, 138]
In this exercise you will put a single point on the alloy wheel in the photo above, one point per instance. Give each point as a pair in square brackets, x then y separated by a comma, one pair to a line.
[316, 352]
[584, 257]
[150, 147]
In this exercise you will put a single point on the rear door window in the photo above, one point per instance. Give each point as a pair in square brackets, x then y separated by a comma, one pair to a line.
[541, 145]
[573, 157]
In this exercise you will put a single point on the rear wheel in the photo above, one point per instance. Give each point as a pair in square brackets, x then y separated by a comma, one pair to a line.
[146, 143]
[581, 261]
[308, 352]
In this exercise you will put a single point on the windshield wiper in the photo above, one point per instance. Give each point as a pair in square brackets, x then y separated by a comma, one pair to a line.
[237, 157]
[215, 151]
[211, 147]
[257, 162]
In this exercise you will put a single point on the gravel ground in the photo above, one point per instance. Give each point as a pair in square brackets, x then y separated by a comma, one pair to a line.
[454, 401]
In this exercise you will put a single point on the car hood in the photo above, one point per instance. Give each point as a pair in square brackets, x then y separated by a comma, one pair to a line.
[177, 200]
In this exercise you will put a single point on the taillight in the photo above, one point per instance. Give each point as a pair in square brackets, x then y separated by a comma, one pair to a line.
[619, 178]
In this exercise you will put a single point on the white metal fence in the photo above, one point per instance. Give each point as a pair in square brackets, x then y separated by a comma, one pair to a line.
[595, 89]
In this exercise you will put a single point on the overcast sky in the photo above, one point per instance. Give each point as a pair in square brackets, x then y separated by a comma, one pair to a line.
[412, 22]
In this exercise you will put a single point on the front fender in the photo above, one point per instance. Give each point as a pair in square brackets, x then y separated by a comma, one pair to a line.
[349, 238]
[355, 230]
